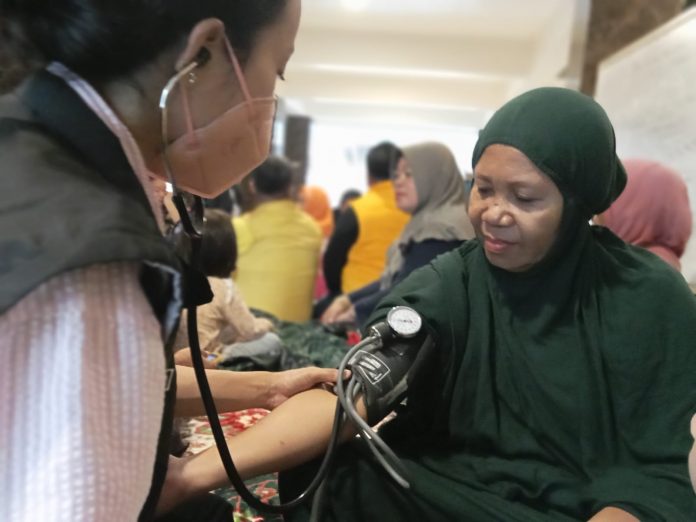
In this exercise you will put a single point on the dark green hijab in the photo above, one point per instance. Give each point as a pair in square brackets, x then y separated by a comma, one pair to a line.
[569, 137]
[556, 392]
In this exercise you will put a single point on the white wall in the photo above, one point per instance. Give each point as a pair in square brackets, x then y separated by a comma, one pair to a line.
[552, 56]
[647, 91]
[338, 149]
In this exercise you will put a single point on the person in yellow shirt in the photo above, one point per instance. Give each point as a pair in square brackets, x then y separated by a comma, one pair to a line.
[278, 246]
[357, 249]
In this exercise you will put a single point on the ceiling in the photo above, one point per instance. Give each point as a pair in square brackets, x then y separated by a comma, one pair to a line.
[492, 18]
[435, 62]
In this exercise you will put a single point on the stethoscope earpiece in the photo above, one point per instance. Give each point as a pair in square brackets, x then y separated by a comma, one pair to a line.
[202, 57]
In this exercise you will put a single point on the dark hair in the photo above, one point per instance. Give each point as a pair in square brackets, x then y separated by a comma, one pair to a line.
[219, 244]
[349, 195]
[107, 39]
[382, 159]
[273, 177]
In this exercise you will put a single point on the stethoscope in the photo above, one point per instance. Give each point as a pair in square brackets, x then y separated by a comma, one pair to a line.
[400, 323]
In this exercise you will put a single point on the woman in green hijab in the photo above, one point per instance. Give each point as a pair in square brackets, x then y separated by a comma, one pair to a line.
[565, 374]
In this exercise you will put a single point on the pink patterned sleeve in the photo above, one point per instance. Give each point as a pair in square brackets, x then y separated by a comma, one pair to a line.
[82, 377]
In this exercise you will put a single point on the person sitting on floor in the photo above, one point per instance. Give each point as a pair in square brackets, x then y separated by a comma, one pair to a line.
[653, 211]
[278, 246]
[226, 319]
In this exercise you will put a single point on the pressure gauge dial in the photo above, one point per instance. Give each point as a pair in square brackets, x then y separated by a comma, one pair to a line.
[404, 321]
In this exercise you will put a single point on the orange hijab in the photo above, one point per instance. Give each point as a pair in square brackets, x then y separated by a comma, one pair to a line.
[316, 203]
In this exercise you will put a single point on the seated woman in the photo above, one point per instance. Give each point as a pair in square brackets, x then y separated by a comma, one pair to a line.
[429, 186]
[653, 211]
[278, 245]
[562, 383]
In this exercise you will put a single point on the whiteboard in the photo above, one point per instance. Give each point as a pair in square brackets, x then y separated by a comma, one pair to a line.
[649, 92]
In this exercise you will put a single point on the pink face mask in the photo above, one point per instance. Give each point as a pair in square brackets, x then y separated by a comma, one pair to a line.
[209, 160]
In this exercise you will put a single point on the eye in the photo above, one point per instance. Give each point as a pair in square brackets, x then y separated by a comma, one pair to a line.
[484, 191]
[522, 198]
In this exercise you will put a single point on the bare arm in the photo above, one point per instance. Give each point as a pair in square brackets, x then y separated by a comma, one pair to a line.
[612, 514]
[239, 390]
[295, 432]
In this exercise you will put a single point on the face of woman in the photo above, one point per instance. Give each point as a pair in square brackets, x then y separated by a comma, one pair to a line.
[515, 209]
[215, 88]
[405, 187]
[273, 48]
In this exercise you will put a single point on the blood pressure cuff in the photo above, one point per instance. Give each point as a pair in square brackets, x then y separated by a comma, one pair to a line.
[386, 374]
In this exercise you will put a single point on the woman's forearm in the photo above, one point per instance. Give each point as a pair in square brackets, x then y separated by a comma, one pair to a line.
[232, 391]
[295, 432]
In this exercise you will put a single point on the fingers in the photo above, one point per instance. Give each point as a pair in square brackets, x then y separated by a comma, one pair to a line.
[329, 315]
[268, 324]
[348, 316]
[324, 374]
[330, 375]
[335, 309]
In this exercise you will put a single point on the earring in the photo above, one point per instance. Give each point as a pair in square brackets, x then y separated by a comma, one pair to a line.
[192, 77]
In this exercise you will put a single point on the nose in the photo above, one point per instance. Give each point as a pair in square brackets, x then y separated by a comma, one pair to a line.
[496, 214]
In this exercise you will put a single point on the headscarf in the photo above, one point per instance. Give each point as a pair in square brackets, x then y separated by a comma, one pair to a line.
[316, 203]
[558, 143]
[653, 211]
[441, 211]
[553, 393]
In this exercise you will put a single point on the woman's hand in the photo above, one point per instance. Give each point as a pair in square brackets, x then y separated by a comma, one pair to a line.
[264, 325]
[347, 316]
[337, 307]
[290, 382]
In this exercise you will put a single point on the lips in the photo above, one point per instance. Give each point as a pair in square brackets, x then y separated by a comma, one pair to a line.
[496, 246]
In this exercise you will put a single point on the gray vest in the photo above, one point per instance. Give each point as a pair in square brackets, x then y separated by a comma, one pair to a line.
[69, 199]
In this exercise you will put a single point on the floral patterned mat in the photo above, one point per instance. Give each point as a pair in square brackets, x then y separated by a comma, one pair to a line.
[197, 434]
